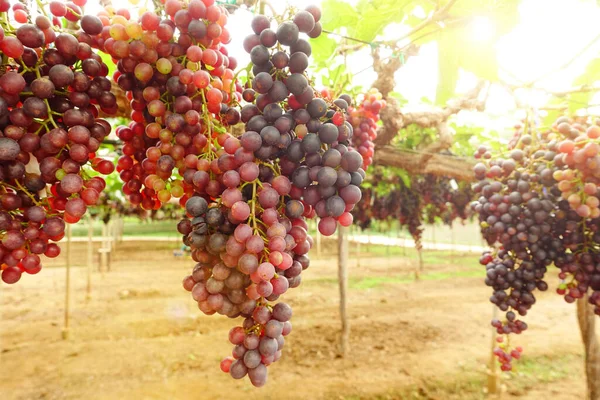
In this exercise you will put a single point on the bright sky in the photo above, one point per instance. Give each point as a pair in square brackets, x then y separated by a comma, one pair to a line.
[550, 33]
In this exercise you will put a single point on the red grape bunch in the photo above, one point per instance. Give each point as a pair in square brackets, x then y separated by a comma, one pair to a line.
[179, 78]
[246, 222]
[364, 120]
[52, 87]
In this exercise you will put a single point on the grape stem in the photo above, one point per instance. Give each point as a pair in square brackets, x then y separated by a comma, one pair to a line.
[24, 190]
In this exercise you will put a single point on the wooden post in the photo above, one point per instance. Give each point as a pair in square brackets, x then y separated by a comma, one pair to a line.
[493, 377]
[343, 283]
[389, 243]
[420, 265]
[121, 227]
[115, 235]
[358, 243]
[318, 240]
[404, 247]
[587, 322]
[433, 234]
[103, 254]
[90, 258]
[65, 330]
[452, 242]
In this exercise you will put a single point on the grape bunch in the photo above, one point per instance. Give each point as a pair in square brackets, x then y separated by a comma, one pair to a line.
[539, 206]
[246, 223]
[52, 87]
[176, 71]
[425, 199]
[364, 120]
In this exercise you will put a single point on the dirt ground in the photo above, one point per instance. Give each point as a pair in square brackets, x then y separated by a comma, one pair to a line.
[140, 336]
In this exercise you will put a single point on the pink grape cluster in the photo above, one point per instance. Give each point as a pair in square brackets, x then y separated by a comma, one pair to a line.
[246, 222]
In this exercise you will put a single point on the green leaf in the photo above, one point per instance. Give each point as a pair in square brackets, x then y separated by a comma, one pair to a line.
[337, 14]
[590, 75]
[458, 47]
[323, 49]
[578, 101]
[404, 176]
[379, 14]
[448, 63]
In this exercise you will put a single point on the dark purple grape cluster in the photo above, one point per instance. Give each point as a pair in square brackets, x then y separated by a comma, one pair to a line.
[425, 199]
[539, 205]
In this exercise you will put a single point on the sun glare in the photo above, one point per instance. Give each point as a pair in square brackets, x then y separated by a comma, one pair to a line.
[483, 29]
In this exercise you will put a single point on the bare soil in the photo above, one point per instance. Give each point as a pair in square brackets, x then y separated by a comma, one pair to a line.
[140, 336]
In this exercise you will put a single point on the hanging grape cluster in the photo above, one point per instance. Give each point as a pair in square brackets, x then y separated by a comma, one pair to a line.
[539, 207]
[364, 120]
[52, 87]
[293, 161]
[423, 199]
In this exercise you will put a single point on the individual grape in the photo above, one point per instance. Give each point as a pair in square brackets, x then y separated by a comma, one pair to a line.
[287, 33]
[9, 149]
[316, 32]
[71, 183]
[252, 359]
[262, 82]
[258, 375]
[282, 312]
[268, 38]
[296, 84]
[196, 206]
[91, 24]
[238, 370]
[305, 21]
[11, 275]
[259, 55]
[280, 60]
[298, 62]
[267, 346]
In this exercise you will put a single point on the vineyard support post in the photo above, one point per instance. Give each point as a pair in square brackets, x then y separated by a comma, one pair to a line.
[358, 242]
[493, 376]
[419, 266]
[103, 253]
[90, 258]
[452, 241]
[318, 239]
[121, 228]
[389, 242]
[343, 283]
[65, 330]
[115, 234]
[587, 325]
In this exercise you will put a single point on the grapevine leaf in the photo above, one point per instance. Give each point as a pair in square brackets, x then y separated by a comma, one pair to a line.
[378, 15]
[457, 43]
[403, 174]
[337, 14]
[555, 112]
[323, 49]
[448, 61]
[588, 77]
